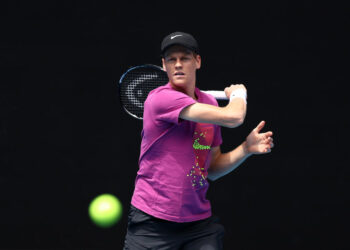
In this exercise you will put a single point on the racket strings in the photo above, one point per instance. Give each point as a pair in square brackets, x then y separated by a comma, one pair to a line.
[136, 85]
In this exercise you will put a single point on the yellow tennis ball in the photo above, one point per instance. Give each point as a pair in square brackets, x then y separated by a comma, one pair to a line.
[105, 210]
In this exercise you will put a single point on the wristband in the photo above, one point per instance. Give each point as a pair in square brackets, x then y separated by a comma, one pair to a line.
[239, 93]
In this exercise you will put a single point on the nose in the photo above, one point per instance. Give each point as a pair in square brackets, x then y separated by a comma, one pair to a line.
[178, 63]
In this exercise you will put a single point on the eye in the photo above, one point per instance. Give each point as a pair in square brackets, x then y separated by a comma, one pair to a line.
[171, 59]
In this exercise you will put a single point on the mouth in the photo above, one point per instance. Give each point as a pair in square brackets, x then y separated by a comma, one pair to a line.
[179, 73]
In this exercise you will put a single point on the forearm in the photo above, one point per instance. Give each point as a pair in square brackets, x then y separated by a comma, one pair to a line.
[232, 115]
[238, 107]
[227, 162]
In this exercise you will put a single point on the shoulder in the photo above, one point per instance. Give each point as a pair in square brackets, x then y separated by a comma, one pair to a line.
[155, 93]
[165, 93]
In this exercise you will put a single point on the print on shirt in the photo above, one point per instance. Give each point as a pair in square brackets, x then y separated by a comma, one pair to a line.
[202, 140]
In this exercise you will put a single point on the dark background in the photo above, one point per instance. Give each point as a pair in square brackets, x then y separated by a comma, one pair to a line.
[65, 139]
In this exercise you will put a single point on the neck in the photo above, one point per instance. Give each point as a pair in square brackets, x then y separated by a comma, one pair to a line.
[188, 89]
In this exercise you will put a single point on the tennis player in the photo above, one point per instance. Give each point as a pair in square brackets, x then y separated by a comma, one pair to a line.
[180, 152]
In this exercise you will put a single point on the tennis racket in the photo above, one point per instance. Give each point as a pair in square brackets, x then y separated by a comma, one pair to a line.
[136, 83]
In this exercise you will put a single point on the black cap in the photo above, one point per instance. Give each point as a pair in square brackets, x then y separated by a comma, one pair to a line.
[179, 38]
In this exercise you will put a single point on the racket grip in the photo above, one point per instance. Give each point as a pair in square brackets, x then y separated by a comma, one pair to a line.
[219, 95]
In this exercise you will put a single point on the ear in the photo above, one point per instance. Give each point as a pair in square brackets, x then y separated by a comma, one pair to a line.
[163, 64]
[198, 61]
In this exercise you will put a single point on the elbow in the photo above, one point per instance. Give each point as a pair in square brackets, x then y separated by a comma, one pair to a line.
[234, 117]
[214, 174]
[212, 177]
[234, 121]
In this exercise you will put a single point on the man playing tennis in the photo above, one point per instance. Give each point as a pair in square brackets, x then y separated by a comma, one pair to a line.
[180, 151]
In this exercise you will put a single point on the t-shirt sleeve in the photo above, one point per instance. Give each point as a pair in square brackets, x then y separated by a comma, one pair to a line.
[166, 105]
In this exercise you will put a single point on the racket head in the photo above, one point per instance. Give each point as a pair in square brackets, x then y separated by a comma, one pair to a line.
[135, 85]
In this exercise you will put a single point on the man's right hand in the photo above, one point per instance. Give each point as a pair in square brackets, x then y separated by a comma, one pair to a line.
[233, 87]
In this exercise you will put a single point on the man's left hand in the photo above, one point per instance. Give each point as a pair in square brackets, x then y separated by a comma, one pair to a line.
[259, 143]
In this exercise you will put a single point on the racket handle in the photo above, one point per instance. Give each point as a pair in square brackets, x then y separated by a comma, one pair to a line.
[219, 95]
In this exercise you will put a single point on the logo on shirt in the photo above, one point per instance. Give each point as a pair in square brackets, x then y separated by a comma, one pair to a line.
[197, 145]
[202, 139]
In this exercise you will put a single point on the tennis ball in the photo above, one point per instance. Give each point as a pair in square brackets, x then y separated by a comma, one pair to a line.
[105, 210]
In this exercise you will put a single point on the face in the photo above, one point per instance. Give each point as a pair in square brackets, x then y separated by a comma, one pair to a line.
[181, 65]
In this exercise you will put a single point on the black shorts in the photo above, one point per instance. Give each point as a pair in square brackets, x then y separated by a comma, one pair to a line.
[147, 232]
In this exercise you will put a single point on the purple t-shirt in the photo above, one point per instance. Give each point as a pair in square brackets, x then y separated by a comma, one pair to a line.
[171, 183]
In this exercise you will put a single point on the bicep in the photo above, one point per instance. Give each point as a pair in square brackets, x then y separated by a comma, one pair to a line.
[205, 113]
